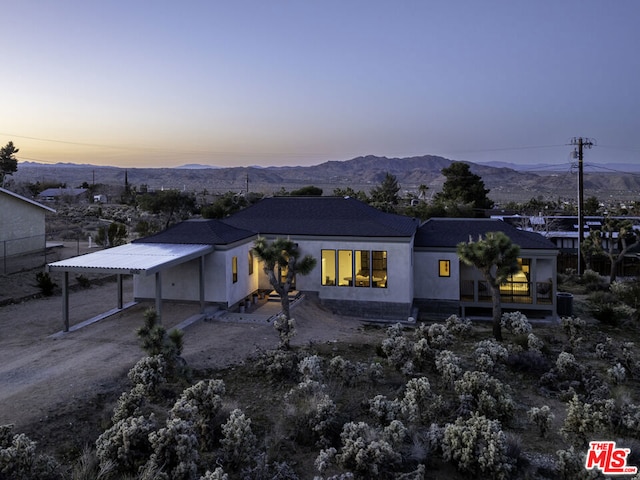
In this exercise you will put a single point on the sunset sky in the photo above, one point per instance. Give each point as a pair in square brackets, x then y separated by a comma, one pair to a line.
[274, 82]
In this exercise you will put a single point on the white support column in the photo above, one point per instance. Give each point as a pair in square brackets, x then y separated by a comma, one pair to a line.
[159, 296]
[65, 300]
[201, 275]
[120, 291]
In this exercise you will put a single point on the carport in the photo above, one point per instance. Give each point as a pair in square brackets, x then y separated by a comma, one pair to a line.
[132, 259]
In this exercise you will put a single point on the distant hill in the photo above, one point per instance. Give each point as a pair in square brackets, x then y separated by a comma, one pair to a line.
[505, 181]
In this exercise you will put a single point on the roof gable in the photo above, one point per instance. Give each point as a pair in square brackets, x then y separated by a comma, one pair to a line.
[199, 231]
[449, 232]
[26, 200]
[331, 216]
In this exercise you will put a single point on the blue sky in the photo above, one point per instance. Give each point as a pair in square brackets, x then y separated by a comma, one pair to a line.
[163, 83]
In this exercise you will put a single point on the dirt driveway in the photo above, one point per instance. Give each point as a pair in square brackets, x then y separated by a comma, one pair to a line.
[41, 374]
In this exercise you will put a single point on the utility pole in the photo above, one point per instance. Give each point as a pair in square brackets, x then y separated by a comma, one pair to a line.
[581, 143]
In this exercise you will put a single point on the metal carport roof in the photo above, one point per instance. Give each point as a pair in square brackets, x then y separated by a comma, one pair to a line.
[131, 259]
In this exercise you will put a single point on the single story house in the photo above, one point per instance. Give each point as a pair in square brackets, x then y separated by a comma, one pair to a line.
[63, 194]
[22, 224]
[369, 263]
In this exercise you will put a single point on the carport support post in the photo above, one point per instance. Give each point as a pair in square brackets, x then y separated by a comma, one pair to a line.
[159, 297]
[201, 274]
[65, 300]
[120, 291]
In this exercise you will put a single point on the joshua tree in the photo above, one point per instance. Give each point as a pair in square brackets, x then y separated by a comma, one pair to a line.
[496, 257]
[281, 259]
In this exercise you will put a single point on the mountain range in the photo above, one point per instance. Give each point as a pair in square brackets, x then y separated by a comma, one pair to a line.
[506, 182]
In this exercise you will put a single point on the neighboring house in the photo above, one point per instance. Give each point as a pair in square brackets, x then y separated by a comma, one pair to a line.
[22, 224]
[364, 255]
[369, 263]
[443, 283]
[63, 194]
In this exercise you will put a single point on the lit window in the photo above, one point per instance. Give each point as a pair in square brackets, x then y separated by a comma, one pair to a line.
[250, 260]
[379, 269]
[345, 267]
[444, 268]
[363, 271]
[234, 269]
[328, 267]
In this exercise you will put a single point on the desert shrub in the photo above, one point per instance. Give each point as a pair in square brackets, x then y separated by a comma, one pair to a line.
[448, 366]
[286, 328]
[617, 374]
[149, 373]
[567, 366]
[477, 445]
[458, 326]
[489, 354]
[366, 451]
[311, 368]
[542, 417]
[516, 323]
[278, 364]
[592, 280]
[311, 412]
[217, 474]
[586, 420]
[349, 373]
[383, 409]
[534, 343]
[130, 403]
[439, 336]
[45, 283]
[529, 361]
[125, 445]
[156, 341]
[238, 442]
[175, 450]
[628, 419]
[627, 292]
[205, 397]
[423, 354]
[87, 467]
[481, 393]
[570, 465]
[398, 349]
[19, 460]
[420, 404]
[607, 309]
[572, 326]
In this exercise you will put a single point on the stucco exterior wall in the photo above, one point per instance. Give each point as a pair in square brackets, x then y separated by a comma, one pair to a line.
[182, 282]
[399, 288]
[427, 282]
[22, 226]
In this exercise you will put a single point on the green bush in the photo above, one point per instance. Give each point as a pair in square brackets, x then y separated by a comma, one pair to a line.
[45, 283]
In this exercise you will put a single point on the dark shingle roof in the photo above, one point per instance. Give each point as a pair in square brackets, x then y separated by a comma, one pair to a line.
[333, 216]
[199, 231]
[448, 232]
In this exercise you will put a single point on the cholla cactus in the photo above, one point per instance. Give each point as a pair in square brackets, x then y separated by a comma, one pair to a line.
[19, 460]
[458, 326]
[630, 418]
[368, 451]
[126, 444]
[175, 450]
[488, 354]
[617, 374]
[423, 354]
[419, 404]
[286, 328]
[311, 410]
[448, 366]
[570, 465]
[150, 372]
[130, 403]
[477, 443]
[385, 410]
[311, 368]
[480, 392]
[238, 441]
[201, 403]
[534, 343]
[351, 373]
[542, 417]
[438, 336]
[572, 326]
[584, 420]
[516, 322]
[567, 365]
[279, 363]
[398, 348]
[217, 474]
